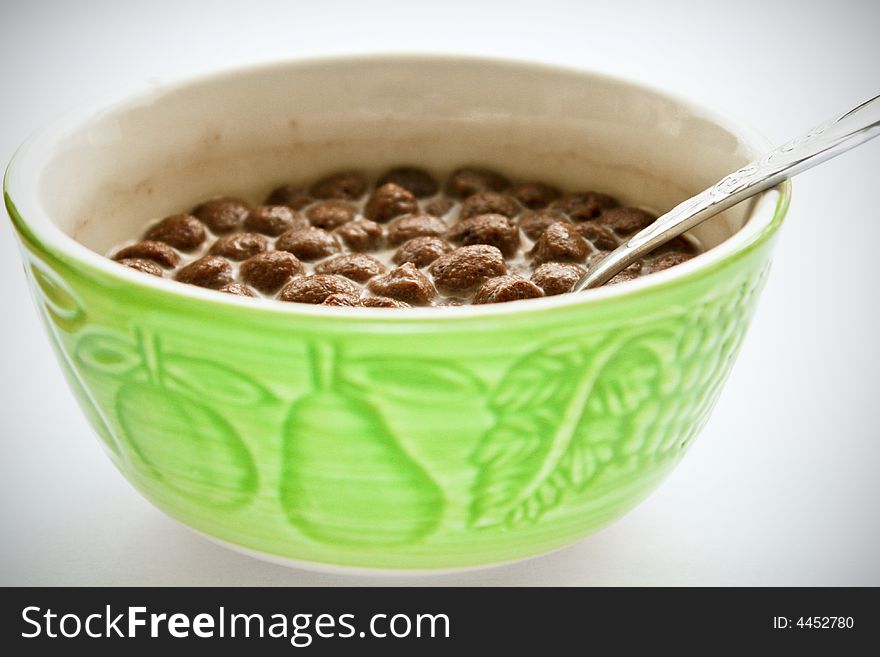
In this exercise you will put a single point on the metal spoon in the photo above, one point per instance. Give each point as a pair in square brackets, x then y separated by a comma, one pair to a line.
[821, 143]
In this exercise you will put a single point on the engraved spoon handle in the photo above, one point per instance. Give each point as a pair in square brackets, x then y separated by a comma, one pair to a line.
[819, 144]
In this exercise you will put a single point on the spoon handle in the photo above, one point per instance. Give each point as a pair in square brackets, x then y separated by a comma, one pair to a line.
[819, 144]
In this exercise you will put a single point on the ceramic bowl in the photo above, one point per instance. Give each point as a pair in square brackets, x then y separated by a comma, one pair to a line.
[417, 439]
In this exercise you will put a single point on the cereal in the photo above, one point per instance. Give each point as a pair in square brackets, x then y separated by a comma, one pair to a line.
[405, 238]
[492, 229]
[222, 215]
[439, 207]
[361, 235]
[342, 299]
[158, 252]
[209, 271]
[560, 242]
[142, 265]
[626, 221]
[622, 277]
[267, 272]
[293, 197]
[316, 288]
[583, 206]
[345, 186]
[383, 302]
[489, 203]
[415, 225]
[238, 289]
[308, 243]
[421, 251]
[466, 268]
[535, 223]
[557, 277]
[669, 260]
[534, 195]
[417, 182]
[471, 180]
[597, 235]
[182, 231]
[239, 246]
[506, 288]
[356, 266]
[273, 220]
[406, 283]
[390, 201]
[331, 214]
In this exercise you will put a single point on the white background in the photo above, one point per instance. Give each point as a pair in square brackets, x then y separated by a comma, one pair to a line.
[781, 488]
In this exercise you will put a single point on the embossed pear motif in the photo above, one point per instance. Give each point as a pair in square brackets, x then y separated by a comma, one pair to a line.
[330, 435]
[161, 409]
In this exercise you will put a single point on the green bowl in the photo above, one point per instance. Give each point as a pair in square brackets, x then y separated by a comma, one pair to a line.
[419, 439]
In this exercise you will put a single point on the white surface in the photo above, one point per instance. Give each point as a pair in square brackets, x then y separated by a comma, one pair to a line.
[781, 487]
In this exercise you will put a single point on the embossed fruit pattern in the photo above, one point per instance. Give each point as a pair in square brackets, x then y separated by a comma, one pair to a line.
[331, 435]
[572, 412]
[161, 410]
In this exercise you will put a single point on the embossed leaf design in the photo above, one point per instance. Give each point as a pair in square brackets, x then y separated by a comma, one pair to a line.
[200, 378]
[562, 412]
[62, 303]
[107, 353]
[410, 381]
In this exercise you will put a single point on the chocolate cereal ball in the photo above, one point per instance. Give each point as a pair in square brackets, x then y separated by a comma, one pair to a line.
[421, 251]
[439, 207]
[583, 206]
[466, 268]
[417, 182]
[182, 231]
[390, 201]
[406, 283]
[535, 223]
[557, 277]
[493, 229]
[626, 221]
[343, 299]
[470, 180]
[506, 288]
[383, 302]
[331, 214]
[142, 265]
[415, 225]
[534, 195]
[267, 272]
[158, 252]
[239, 246]
[489, 203]
[293, 197]
[309, 243]
[316, 288]
[356, 266]
[560, 242]
[669, 260]
[238, 290]
[210, 271]
[222, 215]
[344, 186]
[361, 235]
[597, 235]
[273, 220]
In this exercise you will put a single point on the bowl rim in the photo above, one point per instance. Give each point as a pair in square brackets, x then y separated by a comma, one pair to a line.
[20, 196]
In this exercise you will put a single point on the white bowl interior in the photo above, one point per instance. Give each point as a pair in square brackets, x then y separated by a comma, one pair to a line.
[104, 175]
